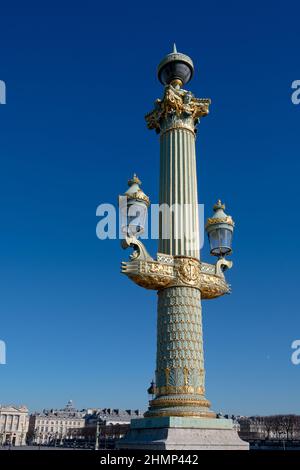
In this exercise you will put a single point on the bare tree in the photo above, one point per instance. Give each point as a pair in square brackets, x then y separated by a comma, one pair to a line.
[268, 423]
[288, 425]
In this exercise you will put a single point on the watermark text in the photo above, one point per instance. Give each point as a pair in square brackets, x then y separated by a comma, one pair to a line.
[2, 352]
[2, 92]
[295, 97]
[295, 357]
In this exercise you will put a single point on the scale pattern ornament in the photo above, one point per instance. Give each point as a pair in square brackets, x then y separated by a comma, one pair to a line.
[180, 376]
[179, 335]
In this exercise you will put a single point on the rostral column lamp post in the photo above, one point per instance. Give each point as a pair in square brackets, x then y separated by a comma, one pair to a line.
[179, 416]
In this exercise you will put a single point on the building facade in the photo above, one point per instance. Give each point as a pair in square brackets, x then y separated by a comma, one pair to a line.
[270, 428]
[104, 426]
[110, 416]
[54, 426]
[14, 423]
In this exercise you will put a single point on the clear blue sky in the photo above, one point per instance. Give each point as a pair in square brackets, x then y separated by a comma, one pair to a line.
[80, 77]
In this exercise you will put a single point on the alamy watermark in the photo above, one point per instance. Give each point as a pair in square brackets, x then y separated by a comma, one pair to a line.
[295, 97]
[2, 352]
[177, 222]
[295, 357]
[2, 92]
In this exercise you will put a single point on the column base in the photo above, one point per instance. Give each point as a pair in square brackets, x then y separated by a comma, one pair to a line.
[175, 433]
[180, 405]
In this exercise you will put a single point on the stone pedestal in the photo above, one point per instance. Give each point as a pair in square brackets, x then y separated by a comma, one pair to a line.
[175, 433]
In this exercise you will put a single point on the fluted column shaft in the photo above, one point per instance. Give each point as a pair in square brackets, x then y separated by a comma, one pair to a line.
[178, 199]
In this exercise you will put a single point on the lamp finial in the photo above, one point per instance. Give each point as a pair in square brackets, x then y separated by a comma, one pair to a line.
[219, 205]
[134, 180]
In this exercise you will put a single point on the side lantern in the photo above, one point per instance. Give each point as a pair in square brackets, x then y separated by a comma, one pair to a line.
[133, 205]
[219, 229]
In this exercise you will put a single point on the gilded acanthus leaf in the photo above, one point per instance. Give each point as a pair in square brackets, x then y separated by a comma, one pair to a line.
[180, 103]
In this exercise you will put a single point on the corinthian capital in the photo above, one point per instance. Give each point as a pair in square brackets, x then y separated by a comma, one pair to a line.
[178, 108]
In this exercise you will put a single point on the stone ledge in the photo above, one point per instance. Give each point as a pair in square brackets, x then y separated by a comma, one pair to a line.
[182, 439]
[178, 422]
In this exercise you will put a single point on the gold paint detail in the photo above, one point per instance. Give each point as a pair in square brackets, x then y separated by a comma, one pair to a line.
[180, 413]
[171, 389]
[186, 376]
[224, 220]
[168, 402]
[177, 125]
[134, 180]
[139, 196]
[176, 83]
[188, 271]
[167, 374]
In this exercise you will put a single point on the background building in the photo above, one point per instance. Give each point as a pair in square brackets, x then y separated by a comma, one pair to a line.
[70, 427]
[280, 430]
[54, 426]
[109, 416]
[104, 426]
[13, 425]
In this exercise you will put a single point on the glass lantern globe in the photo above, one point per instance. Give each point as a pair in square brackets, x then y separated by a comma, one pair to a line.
[136, 217]
[133, 209]
[219, 229]
[175, 68]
